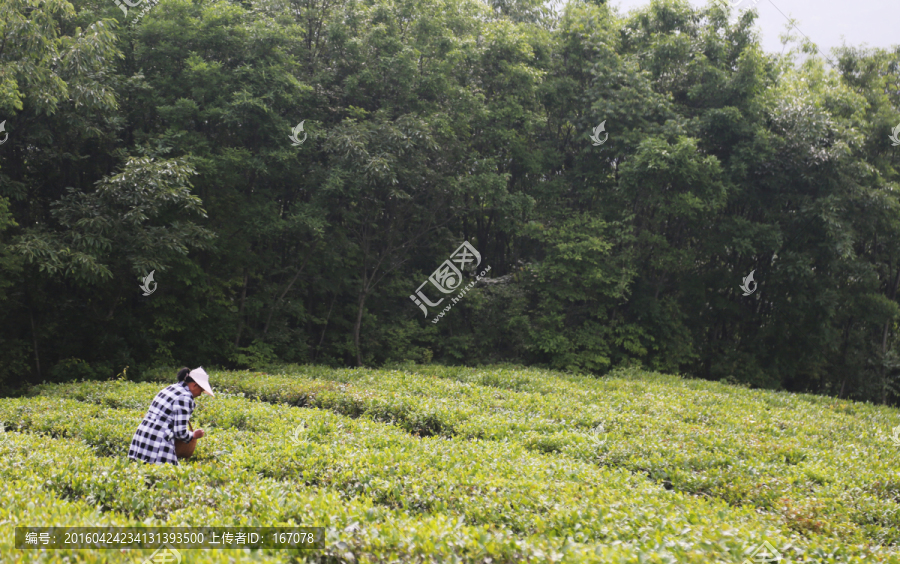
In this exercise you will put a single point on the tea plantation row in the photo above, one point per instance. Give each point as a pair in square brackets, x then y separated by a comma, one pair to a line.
[206, 494]
[822, 465]
[509, 474]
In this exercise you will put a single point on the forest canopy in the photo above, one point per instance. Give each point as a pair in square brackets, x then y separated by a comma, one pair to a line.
[292, 171]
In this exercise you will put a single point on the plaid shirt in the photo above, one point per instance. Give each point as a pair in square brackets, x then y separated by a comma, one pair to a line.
[166, 420]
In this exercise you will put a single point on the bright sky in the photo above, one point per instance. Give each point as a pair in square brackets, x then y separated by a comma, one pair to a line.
[828, 23]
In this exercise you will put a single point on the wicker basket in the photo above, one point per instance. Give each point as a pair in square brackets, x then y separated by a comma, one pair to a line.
[185, 449]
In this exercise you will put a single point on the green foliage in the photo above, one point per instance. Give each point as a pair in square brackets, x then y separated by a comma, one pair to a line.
[162, 145]
[118, 219]
[257, 355]
[768, 451]
[573, 290]
[512, 471]
[72, 369]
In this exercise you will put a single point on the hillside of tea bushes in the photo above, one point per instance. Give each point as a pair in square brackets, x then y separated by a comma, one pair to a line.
[440, 464]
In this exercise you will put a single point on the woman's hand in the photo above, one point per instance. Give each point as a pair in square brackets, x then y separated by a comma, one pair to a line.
[198, 433]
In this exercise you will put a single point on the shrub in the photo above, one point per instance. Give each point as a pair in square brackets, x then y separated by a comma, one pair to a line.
[72, 369]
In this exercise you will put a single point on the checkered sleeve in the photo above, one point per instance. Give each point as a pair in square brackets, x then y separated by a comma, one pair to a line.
[182, 408]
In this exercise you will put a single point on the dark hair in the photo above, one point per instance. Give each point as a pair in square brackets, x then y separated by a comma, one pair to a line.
[183, 375]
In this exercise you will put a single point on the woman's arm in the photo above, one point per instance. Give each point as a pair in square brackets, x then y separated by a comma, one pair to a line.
[181, 414]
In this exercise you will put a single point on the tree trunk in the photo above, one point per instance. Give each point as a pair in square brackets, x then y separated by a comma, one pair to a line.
[844, 346]
[327, 318]
[357, 326]
[289, 286]
[237, 339]
[115, 303]
[884, 339]
[37, 356]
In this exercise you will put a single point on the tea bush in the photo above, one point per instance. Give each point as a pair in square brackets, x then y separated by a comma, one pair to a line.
[517, 463]
[129, 493]
[494, 484]
[776, 451]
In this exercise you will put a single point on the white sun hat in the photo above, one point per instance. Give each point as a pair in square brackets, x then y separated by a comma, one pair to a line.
[202, 378]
